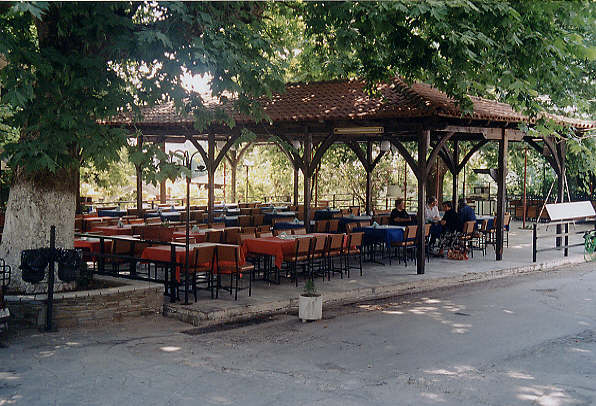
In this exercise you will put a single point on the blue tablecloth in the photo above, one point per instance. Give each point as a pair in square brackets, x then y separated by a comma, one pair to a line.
[111, 213]
[230, 221]
[385, 234]
[287, 214]
[325, 214]
[226, 205]
[288, 225]
[169, 215]
[151, 214]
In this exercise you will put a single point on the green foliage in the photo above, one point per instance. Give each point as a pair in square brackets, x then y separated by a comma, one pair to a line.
[71, 65]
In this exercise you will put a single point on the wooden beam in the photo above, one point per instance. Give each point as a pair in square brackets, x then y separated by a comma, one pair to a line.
[469, 155]
[139, 180]
[367, 205]
[211, 177]
[323, 147]
[307, 179]
[406, 155]
[454, 159]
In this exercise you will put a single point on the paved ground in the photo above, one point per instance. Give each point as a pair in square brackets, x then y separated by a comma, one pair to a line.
[379, 279]
[527, 340]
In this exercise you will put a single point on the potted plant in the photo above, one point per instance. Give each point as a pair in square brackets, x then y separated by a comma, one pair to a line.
[310, 303]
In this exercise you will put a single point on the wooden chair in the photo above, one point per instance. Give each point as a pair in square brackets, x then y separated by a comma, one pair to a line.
[202, 267]
[244, 221]
[258, 220]
[317, 255]
[299, 231]
[228, 263]
[231, 235]
[122, 253]
[249, 230]
[299, 258]
[264, 234]
[263, 229]
[353, 250]
[468, 235]
[351, 226]
[408, 243]
[214, 236]
[334, 253]
[364, 223]
[321, 226]
[333, 226]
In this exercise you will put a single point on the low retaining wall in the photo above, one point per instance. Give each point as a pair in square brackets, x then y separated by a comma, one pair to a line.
[89, 308]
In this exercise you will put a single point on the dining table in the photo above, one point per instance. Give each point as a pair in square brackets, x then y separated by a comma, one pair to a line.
[126, 229]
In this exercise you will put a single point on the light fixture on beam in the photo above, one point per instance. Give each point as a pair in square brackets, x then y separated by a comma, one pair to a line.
[220, 145]
[358, 130]
[393, 149]
[385, 146]
[296, 144]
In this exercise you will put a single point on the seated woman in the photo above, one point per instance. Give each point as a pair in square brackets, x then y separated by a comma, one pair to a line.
[399, 216]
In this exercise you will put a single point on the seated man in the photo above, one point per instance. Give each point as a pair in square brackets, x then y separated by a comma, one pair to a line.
[399, 216]
[465, 213]
[450, 221]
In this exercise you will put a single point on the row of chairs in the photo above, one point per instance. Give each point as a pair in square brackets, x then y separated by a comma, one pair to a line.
[323, 255]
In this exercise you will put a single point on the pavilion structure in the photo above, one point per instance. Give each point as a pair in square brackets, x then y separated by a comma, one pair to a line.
[308, 118]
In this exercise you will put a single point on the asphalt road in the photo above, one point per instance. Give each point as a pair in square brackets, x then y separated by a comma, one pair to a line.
[521, 341]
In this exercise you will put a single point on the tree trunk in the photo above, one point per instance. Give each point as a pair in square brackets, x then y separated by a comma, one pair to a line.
[35, 204]
[431, 186]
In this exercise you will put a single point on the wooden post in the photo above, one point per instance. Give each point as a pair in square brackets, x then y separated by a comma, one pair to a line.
[368, 169]
[405, 184]
[139, 181]
[307, 179]
[233, 169]
[296, 175]
[455, 173]
[210, 176]
[423, 143]
[162, 184]
[501, 193]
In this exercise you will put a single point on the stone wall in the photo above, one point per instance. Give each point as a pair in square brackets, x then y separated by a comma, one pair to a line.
[90, 308]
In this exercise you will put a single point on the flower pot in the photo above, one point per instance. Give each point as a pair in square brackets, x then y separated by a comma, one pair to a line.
[310, 307]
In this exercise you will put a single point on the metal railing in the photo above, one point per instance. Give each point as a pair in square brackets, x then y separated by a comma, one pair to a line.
[561, 236]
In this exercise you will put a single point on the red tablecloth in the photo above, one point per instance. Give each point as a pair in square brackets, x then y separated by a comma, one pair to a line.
[272, 246]
[114, 230]
[93, 245]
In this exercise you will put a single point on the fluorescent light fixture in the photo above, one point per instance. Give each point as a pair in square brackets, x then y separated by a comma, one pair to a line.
[359, 130]
[385, 146]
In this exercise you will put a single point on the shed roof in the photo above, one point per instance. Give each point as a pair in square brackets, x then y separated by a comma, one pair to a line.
[348, 100]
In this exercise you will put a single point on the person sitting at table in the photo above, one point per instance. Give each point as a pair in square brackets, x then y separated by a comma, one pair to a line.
[450, 221]
[431, 210]
[465, 212]
[399, 215]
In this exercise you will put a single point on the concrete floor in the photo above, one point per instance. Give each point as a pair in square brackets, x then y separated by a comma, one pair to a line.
[382, 280]
[526, 340]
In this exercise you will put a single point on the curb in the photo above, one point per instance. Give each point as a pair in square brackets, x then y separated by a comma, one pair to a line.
[249, 312]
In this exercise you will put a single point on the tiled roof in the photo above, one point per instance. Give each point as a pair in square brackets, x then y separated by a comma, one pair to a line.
[347, 100]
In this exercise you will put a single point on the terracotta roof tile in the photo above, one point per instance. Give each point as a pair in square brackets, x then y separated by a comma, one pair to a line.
[337, 100]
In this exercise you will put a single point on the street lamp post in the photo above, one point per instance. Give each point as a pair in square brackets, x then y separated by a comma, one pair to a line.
[187, 163]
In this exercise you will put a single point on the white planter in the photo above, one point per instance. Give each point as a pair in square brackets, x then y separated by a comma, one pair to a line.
[310, 307]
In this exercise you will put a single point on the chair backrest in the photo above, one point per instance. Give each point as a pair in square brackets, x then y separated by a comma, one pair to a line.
[258, 220]
[333, 226]
[264, 234]
[204, 255]
[277, 232]
[410, 233]
[249, 230]
[507, 219]
[244, 236]
[355, 240]
[303, 246]
[355, 210]
[299, 231]
[231, 235]
[469, 227]
[215, 236]
[336, 242]
[221, 224]
[165, 234]
[152, 220]
[244, 221]
[321, 226]
[122, 247]
[350, 227]
[136, 221]
[426, 230]
[263, 229]
[364, 223]
[228, 253]
[245, 211]
[483, 225]
[191, 240]
[320, 243]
